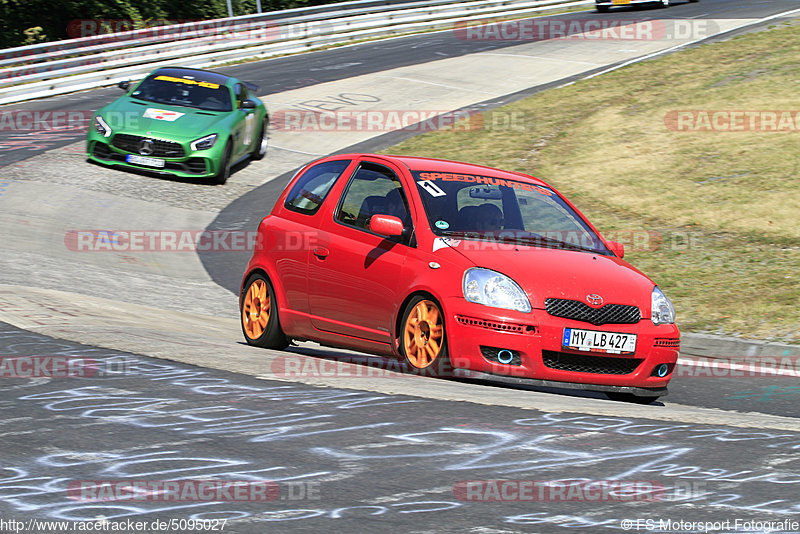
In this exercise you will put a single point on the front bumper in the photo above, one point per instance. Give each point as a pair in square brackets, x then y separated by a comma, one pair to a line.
[476, 334]
[193, 164]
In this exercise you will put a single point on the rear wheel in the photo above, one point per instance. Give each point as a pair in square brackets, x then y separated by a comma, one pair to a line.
[422, 341]
[630, 397]
[224, 171]
[259, 314]
[664, 3]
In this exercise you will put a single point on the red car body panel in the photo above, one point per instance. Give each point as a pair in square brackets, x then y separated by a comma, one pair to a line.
[344, 286]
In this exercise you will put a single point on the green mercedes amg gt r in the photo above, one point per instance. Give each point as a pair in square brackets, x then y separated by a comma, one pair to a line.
[185, 122]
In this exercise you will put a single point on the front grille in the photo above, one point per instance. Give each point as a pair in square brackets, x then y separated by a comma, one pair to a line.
[494, 325]
[667, 342]
[581, 363]
[161, 148]
[578, 311]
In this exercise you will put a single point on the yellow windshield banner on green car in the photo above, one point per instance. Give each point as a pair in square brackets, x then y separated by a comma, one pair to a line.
[188, 81]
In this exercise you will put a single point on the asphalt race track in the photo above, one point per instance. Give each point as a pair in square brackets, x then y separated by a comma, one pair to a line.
[166, 389]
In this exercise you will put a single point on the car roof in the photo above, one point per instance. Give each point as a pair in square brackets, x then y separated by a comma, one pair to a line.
[196, 74]
[416, 163]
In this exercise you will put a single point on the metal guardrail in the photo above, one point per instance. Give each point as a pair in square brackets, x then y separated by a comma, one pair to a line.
[210, 43]
[53, 50]
[48, 50]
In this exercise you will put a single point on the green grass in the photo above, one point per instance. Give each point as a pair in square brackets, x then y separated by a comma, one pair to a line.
[726, 205]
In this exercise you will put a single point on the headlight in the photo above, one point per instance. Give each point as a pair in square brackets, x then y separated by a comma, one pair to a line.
[101, 126]
[663, 312]
[204, 143]
[491, 288]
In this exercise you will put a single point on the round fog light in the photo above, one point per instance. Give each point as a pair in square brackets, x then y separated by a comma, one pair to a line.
[505, 356]
[662, 370]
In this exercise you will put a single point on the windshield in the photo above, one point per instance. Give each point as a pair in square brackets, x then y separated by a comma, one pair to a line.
[187, 92]
[487, 208]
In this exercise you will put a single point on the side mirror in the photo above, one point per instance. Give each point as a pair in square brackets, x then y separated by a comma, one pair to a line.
[617, 248]
[247, 104]
[386, 225]
[124, 85]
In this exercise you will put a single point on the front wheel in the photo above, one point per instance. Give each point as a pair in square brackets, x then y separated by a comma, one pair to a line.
[224, 171]
[422, 341]
[259, 314]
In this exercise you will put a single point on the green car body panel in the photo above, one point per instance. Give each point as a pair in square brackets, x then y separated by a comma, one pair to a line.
[159, 132]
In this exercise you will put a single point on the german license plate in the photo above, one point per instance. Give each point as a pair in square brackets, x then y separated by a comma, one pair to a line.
[620, 2]
[141, 160]
[594, 341]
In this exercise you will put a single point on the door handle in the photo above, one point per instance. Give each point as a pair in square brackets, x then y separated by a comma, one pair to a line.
[321, 252]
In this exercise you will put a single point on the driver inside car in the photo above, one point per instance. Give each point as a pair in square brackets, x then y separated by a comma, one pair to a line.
[488, 217]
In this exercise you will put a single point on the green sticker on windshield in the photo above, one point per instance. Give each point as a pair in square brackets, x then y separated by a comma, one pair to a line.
[442, 225]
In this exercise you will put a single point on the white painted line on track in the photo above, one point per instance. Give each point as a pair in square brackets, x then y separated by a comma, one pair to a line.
[295, 151]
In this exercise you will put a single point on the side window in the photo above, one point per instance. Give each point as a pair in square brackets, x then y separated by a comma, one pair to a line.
[240, 92]
[373, 190]
[311, 189]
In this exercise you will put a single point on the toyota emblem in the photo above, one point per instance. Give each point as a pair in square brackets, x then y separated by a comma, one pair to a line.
[146, 147]
[594, 299]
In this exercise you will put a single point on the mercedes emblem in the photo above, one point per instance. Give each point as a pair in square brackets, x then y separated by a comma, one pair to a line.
[146, 147]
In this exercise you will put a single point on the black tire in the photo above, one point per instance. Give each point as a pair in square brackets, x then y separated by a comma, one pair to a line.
[663, 3]
[419, 336]
[251, 313]
[630, 397]
[602, 9]
[224, 171]
[260, 150]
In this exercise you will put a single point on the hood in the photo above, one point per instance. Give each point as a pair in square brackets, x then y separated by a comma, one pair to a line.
[567, 274]
[128, 115]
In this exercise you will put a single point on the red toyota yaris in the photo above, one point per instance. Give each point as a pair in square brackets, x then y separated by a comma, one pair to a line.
[451, 265]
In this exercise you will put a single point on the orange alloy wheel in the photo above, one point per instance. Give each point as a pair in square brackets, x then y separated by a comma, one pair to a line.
[424, 334]
[255, 310]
